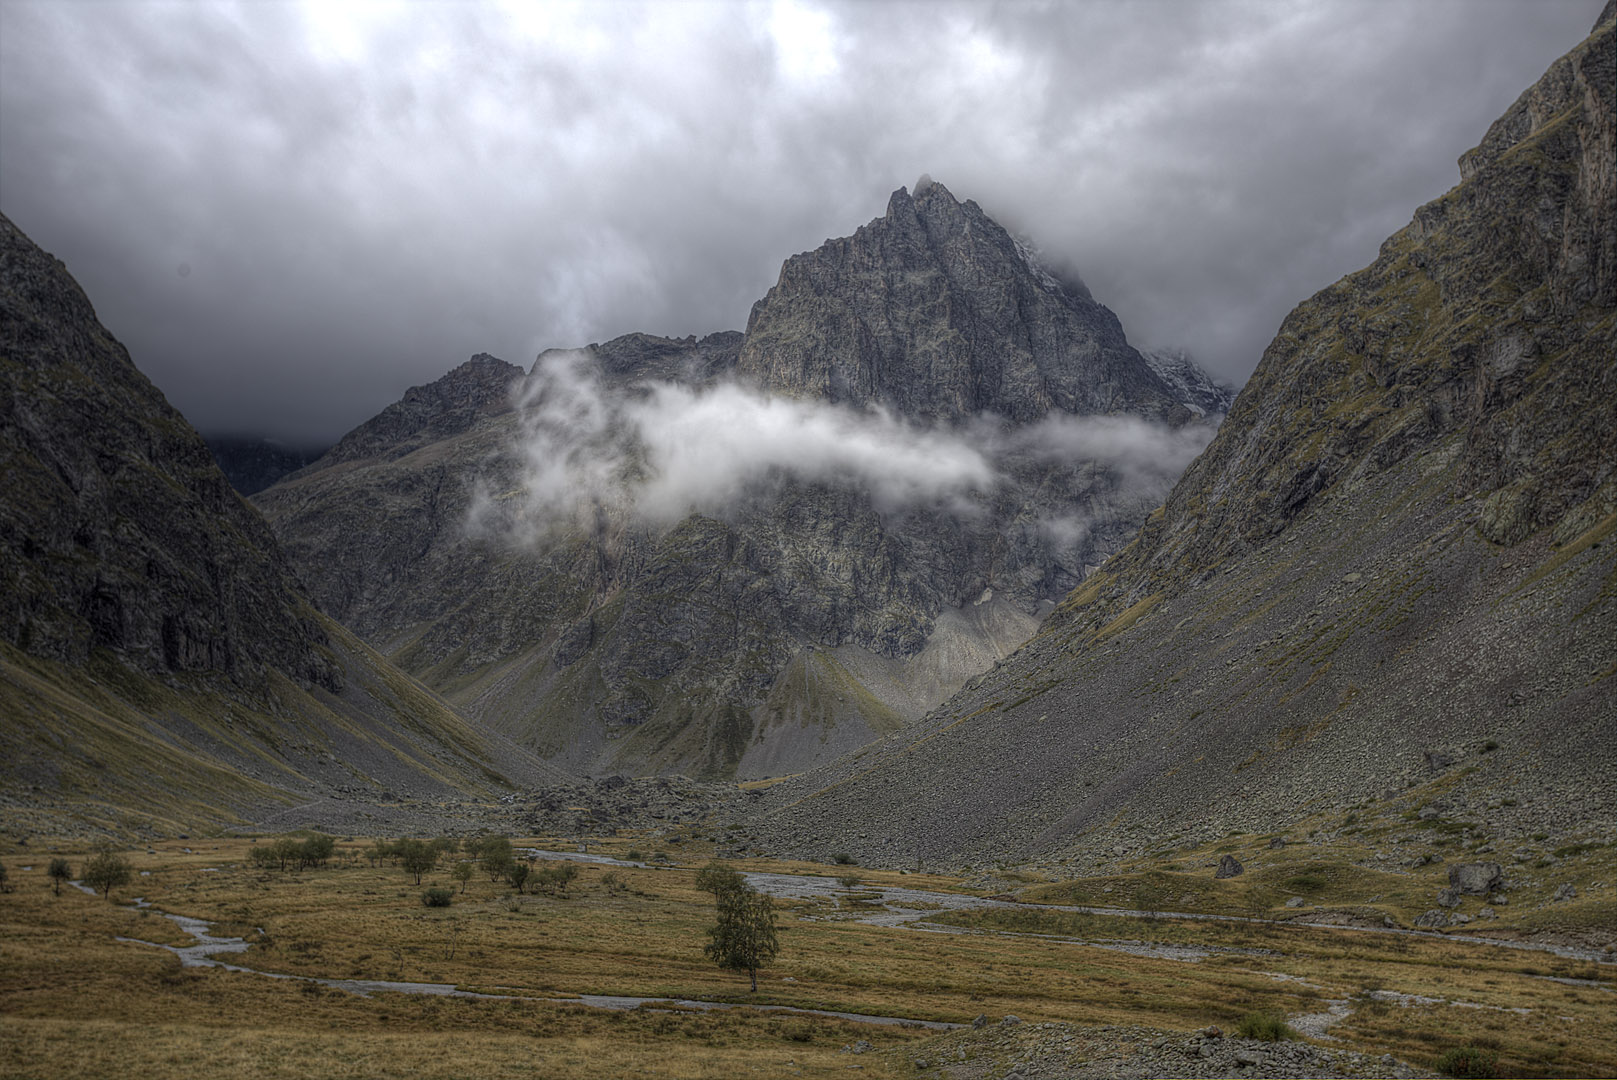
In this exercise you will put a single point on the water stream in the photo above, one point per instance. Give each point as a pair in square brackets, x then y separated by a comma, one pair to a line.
[895, 905]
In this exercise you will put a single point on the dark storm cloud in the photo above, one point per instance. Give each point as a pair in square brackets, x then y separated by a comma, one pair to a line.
[291, 213]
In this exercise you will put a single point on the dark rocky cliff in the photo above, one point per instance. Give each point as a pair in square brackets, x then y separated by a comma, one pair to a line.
[118, 529]
[1387, 584]
[159, 663]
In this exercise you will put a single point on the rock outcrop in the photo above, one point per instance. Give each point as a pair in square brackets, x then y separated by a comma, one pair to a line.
[1393, 561]
[802, 616]
[158, 659]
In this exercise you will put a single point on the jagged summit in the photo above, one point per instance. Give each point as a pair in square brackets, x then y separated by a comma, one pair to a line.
[937, 312]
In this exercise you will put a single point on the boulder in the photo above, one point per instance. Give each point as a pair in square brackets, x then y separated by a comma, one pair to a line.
[1435, 919]
[1229, 867]
[1476, 879]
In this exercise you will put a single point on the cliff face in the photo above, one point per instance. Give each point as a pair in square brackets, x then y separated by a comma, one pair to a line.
[1387, 583]
[156, 652]
[802, 614]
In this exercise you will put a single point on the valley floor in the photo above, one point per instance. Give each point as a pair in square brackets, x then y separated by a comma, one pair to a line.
[1054, 988]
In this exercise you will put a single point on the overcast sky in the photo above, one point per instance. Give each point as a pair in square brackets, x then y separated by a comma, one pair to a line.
[292, 213]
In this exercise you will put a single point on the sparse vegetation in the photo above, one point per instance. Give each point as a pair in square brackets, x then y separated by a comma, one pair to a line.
[842, 858]
[416, 857]
[1270, 1027]
[744, 939]
[107, 870]
[1470, 1061]
[438, 897]
[1305, 883]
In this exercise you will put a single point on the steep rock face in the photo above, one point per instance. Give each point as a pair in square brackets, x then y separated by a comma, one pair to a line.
[119, 531]
[805, 615]
[1390, 572]
[157, 657]
[936, 311]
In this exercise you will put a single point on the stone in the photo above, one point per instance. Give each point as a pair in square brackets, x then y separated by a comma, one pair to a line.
[1435, 919]
[1295, 902]
[1249, 1058]
[1011, 1020]
[1448, 898]
[1277, 843]
[981, 1021]
[1486, 912]
[1476, 879]
[1565, 891]
[1229, 867]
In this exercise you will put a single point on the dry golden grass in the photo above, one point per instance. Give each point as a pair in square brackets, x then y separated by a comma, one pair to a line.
[75, 1001]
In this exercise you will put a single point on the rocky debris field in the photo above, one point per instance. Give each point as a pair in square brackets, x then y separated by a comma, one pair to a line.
[1012, 1050]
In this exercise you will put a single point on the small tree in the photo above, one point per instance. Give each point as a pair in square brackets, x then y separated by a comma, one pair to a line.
[5, 884]
[517, 875]
[462, 873]
[316, 850]
[286, 850]
[417, 857]
[718, 878]
[59, 872]
[744, 939]
[496, 857]
[106, 870]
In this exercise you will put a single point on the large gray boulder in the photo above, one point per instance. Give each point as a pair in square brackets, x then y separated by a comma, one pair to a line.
[1476, 879]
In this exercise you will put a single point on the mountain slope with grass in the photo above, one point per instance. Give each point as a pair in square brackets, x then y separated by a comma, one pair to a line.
[158, 660]
[1387, 587]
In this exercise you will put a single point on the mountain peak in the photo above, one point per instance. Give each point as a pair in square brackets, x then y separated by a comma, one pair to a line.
[452, 403]
[935, 311]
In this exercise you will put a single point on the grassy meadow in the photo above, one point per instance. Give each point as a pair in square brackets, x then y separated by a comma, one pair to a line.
[75, 1000]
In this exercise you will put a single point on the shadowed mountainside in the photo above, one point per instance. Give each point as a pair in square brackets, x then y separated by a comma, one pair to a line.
[157, 657]
[1389, 580]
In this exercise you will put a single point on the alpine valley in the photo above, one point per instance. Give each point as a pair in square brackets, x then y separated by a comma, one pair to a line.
[1191, 732]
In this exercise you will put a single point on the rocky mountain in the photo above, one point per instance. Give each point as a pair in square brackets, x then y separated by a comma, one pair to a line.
[252, 464]
[1196, 390]
[1386, 588]
[156, 651]
[704, 599]
[937, 312]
